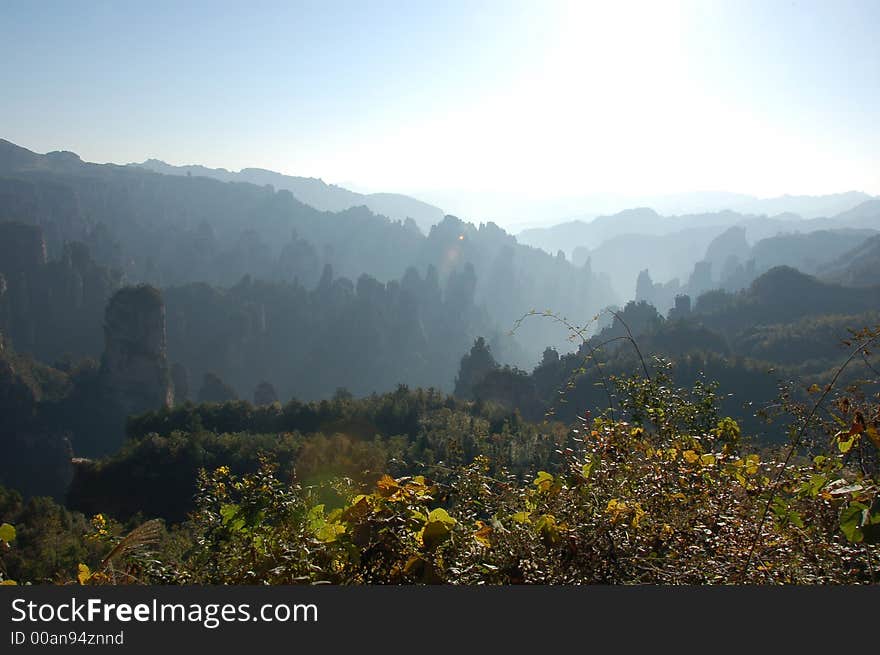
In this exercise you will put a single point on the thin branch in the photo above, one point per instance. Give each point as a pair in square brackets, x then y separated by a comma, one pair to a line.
[795, 443]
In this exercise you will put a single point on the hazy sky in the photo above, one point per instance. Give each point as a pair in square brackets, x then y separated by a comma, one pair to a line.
[762, 97]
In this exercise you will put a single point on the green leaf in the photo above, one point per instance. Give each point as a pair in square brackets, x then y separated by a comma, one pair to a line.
[7, 533]
[434, 533]
[442, 516]
[329, 532]
[815, 485]
[851, 522]
[316, 518]
[779, 508]
[544, 481]
[587, 469]
[545, 522]
[785, 515]
[871, 523]
[232, 518]
[547, 527]
[845, 444]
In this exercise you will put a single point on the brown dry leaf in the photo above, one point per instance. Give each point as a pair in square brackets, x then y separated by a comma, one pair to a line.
[387, 486]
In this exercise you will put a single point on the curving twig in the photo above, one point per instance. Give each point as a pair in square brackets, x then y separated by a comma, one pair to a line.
[795, 444]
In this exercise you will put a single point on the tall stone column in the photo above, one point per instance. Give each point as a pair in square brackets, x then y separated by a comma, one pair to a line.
[134, 367]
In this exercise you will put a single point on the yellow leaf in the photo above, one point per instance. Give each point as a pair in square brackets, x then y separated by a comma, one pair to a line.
[7, 533]
[617, 509]
[7, 583]
[521, 517]
[638, 515]
[83, 573]
[483, 535]
[752, 462]
[707, 460]
[387, 486]
[690, 456]
[544, 481]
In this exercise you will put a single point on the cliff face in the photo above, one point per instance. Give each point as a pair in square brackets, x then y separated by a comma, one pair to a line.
[51, 308]
[134, 368]
[36, 454]
[22, 248]
[22, 262]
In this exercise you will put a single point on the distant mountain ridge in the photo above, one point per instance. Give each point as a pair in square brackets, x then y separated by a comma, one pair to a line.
[523, 207]
[804, 206]
[633, 240]
[803, 213]
[314, 192]
[860, 267]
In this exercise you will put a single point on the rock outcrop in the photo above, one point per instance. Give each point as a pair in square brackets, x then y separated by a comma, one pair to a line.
[265, 394]
[22, 248]
[215, 390]
[35, 454]
[51, 308]
[180, 379]
[134, 368]
[22, 261]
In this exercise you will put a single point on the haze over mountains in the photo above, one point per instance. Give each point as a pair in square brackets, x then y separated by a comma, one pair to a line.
[521, 210]
[766, 216]
[668, 247]
[612, 249]
[178, 230]
[315, 192]
[124, 290]
[609, 215]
